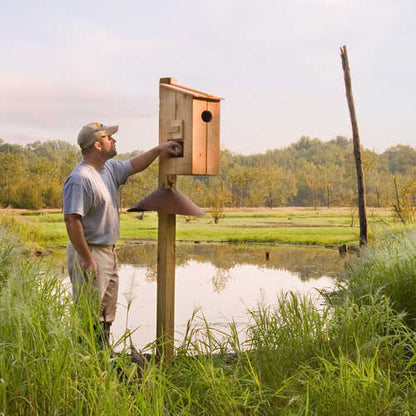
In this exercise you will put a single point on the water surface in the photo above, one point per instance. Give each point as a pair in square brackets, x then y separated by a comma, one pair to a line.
[222, 281]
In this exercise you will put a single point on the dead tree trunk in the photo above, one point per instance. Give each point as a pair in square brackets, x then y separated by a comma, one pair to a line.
[398, 206]
[327, 196]
[357, 149]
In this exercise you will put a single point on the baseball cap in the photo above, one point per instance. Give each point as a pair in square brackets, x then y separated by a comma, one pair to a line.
[90, 133]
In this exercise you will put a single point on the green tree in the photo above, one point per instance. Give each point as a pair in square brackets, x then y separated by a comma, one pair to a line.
[239, 178]
[400, 158]
[217, 198]
[12, 178]
[139, 186]
[272, 186]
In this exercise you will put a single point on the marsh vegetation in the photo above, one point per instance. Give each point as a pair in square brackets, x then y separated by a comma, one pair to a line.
[306, 226]
[353, 355]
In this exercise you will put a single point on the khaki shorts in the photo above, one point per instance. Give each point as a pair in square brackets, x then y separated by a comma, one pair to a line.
[105, 280]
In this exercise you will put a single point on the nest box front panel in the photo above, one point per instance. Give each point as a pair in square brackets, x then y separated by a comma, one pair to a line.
[199, 139]
[205, 137]
[213, 138]
[174, 124]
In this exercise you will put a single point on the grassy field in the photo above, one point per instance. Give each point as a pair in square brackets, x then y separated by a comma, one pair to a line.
[280, 225]
[353, 355]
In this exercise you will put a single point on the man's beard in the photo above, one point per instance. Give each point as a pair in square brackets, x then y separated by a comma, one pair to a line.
[111, 153]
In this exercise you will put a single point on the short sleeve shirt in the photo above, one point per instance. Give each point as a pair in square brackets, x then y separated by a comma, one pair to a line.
[93, 194]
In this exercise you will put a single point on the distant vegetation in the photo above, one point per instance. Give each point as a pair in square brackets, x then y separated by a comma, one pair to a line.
[307, 173]
[325, 227]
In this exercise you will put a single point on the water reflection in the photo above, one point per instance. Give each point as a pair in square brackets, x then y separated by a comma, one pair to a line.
[305, 262]
[220, 279]
[223, 281]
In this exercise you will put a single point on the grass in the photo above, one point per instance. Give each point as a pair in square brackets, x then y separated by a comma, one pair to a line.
[389, 271]
[281, 225]
[353, 355]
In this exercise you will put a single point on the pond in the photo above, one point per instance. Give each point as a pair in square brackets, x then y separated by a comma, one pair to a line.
[222, 281]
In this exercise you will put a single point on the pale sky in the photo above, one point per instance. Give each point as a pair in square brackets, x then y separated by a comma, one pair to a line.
[276, 63]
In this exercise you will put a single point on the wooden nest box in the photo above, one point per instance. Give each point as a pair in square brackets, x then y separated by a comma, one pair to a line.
[192, 118]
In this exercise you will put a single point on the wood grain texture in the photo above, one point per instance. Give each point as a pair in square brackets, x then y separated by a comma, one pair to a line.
[165, 319]
[213, 139]
[199, 139]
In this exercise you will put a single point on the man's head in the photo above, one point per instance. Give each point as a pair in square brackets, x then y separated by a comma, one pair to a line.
[94, 132]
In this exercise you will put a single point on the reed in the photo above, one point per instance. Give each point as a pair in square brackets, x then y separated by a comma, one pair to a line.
[387, 269]
[351, 355]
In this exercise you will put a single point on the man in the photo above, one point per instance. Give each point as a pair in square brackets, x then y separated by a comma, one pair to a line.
[91, 213]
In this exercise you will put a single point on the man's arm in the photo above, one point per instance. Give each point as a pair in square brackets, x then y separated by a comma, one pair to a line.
[142, 161]
[76, 235]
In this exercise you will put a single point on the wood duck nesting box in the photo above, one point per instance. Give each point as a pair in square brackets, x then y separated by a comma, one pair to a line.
[191, 118]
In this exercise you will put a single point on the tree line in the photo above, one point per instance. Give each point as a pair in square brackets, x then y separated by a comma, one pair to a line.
[309, 172]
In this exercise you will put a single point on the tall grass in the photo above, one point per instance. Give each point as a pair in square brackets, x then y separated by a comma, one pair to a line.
[24, 230]
[355, 356]
[388, 269]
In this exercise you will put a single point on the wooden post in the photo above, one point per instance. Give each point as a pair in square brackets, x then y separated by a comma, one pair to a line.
[357, 149]
[165, 320]
[190, 117]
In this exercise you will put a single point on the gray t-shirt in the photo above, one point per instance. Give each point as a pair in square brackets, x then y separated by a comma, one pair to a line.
[93, 194]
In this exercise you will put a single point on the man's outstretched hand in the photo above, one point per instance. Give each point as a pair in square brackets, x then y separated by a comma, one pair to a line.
[171, 147]
[142, 161]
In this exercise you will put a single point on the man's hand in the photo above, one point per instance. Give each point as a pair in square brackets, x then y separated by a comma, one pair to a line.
[89, 266]
[171, 147]
[142, 161]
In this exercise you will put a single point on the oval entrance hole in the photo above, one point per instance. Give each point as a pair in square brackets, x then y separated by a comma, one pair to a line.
[206, 116]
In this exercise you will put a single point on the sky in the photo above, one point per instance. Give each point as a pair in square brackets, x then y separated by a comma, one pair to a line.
[276, 63]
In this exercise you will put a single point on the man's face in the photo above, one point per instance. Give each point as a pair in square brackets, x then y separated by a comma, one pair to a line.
[108, 145]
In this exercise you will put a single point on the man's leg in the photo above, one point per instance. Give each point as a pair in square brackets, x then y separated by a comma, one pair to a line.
[75, 271]
[105, 281]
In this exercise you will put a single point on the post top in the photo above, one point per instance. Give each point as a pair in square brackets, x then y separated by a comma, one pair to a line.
[168, 80]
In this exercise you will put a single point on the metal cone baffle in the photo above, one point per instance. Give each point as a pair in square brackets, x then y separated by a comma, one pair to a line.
[169, 201]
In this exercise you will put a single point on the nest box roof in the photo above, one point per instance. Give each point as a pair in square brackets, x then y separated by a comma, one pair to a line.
[198, 95]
